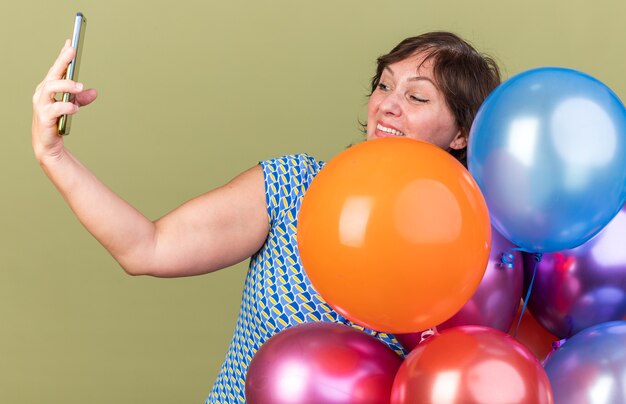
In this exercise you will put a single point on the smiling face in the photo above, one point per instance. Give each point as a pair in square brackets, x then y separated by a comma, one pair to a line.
[408, 103]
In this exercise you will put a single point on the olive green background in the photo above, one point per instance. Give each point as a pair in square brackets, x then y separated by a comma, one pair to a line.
[190, 94]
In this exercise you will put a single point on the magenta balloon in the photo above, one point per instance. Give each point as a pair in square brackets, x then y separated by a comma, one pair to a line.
[578, 288]
[321, 363]
[497, 299]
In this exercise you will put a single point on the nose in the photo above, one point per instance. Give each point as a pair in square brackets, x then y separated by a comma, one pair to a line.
[390, 105]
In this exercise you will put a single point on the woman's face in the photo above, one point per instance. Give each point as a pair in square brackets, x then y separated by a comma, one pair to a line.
[408, 103]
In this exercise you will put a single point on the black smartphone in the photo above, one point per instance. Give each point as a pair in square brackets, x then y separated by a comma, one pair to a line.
[80, 23]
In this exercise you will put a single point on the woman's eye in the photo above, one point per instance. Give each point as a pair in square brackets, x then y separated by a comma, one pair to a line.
[383, 86]
[417, 99]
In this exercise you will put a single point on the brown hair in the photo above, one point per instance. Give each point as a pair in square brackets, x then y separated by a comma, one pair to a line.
[463, 75]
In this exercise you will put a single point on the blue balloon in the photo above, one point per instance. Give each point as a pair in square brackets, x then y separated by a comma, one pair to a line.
[548, 150]
[591, 366]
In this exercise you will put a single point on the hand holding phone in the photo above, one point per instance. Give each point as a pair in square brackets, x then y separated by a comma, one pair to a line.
[80, 23]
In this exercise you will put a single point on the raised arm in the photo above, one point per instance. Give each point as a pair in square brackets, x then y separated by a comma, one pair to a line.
[213, 231]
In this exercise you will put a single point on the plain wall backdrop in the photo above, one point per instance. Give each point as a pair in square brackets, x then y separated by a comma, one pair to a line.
[191, 94]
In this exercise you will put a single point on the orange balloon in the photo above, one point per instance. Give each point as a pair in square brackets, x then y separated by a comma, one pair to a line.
[394, 234]
[532, 334]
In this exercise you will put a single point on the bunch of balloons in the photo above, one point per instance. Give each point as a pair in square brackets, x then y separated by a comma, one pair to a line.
[548, 150]
[397, 237]
[334, 363]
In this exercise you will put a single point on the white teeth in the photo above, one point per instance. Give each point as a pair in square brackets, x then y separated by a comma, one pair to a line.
[389, 130]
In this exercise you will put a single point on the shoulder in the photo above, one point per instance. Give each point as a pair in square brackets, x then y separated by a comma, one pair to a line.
[292, 165]
[286, 180]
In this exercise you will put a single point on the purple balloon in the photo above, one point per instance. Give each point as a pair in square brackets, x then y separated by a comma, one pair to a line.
[495, 302]
[591, 366]
[321, 363]
[575, 289]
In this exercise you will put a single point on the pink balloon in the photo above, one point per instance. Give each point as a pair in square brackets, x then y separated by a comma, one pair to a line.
[495, 302]
[321, 363]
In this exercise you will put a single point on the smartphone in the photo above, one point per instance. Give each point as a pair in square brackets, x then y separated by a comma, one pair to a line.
[80, 23]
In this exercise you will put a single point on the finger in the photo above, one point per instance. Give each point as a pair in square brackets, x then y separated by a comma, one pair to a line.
[49, 115]
[57, 71]
[63, 108]
[50, 88]
[54, 111]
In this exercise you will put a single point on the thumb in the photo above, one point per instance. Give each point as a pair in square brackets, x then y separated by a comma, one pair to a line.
[86, 97]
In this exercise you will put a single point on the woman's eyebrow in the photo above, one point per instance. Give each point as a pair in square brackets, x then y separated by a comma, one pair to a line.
[420, 78]
[415, 78]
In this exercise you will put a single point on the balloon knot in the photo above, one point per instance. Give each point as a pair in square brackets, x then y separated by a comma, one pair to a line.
[557, 344]
[427, 334]
[507, 260]
[555, 347]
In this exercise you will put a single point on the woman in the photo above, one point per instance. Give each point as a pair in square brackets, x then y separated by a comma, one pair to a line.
[428, 88]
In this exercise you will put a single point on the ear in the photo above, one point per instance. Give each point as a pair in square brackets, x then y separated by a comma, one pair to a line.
[460, 140]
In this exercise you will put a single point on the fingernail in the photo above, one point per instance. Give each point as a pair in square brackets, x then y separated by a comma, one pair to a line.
[79, 86]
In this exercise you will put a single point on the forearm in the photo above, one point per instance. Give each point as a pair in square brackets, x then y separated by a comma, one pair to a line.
[212, 231]
[127, 234]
